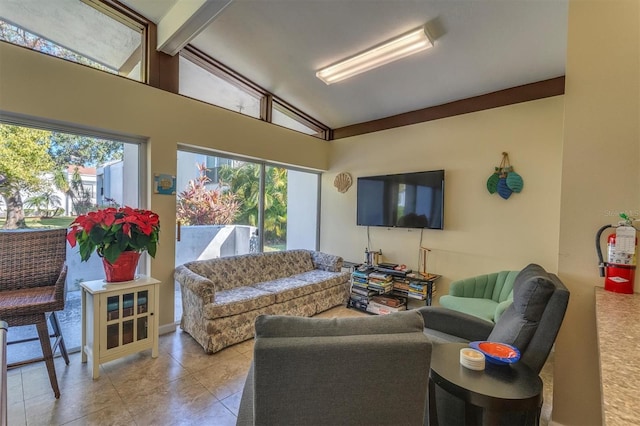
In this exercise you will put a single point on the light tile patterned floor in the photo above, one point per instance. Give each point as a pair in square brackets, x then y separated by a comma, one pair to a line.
[183, 386]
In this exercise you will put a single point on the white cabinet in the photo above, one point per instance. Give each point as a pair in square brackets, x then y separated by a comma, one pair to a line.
[118, 319]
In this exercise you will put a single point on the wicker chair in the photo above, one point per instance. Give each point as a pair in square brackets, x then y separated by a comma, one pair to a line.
[32, 288]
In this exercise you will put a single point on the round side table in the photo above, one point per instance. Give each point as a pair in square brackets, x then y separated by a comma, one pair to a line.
[495, 390]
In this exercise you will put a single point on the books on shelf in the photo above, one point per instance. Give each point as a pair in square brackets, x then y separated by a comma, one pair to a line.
[363, 291]
[380, 288]
[380, 277]
[411, 294]
[360, 274]
[394, 272]
[380, 291]
[361, 281]
[397, 285]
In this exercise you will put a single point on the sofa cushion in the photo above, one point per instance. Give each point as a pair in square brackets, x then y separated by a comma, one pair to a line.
[229, 272]
[284, 264]
[531, 291]
[236, 271]
[481, 308]
[303, 306]
[286, 326]
[288, 288]
[237, 300]
[323, 278]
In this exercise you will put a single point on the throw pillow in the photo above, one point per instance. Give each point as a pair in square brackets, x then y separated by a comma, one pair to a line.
[532, 289]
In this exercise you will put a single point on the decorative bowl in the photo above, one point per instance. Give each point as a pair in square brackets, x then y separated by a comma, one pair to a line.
[497, 353]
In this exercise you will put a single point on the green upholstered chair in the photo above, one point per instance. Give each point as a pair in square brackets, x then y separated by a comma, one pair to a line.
[485, 296]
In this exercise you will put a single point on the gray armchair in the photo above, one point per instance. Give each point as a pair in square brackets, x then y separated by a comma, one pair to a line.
[531, 323]
[346, 371]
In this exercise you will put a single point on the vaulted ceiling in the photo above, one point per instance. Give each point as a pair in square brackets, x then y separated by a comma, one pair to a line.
[481, 46]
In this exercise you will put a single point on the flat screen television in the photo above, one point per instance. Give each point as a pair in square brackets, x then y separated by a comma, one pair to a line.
[404, 200]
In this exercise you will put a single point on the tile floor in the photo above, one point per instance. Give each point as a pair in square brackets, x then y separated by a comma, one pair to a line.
[183, 386]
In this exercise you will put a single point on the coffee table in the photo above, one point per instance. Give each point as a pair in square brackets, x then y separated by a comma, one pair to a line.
[487, 394]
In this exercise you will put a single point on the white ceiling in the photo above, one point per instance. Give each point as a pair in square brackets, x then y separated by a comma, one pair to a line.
[481, 46]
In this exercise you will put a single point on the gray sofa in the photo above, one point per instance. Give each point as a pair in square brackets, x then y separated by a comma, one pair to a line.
[222, 297]
[371, 370]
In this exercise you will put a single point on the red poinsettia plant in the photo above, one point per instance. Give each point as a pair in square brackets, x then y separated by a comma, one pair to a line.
[112, 231]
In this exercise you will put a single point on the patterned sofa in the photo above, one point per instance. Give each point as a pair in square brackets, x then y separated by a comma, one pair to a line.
[222, 297]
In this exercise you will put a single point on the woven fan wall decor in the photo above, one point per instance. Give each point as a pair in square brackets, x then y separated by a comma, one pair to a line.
[504, 180]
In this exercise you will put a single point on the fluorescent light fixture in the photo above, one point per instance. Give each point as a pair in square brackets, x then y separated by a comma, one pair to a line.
[407, 44]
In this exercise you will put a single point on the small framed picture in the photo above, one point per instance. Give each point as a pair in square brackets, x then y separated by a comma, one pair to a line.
[164, 184]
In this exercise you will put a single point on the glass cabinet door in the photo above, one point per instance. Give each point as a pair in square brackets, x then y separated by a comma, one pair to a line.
[127, 304]
[143, 327]
[143, 303]
[113, 336]
[113, 308]
[127, 332]
[127, 318]
[143, 321]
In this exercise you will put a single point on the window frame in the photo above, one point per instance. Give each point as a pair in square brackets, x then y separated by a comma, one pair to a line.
[263, 166]
[268, 100]
[122, 14]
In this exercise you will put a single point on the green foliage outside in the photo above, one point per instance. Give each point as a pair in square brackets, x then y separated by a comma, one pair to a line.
[244, 182]
[235, 200]
[45, 204]
[27, 155]
[24, 159]
[199, 205]
[46, 222]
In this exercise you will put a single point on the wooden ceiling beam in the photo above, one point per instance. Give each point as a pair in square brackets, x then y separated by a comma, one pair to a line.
[513, 95]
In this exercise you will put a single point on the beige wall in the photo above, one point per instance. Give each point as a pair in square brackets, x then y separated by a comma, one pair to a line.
[483, 232]
[600, 174]
[53, 89]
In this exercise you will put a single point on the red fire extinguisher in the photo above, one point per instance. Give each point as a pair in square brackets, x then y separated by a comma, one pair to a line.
[620, 268]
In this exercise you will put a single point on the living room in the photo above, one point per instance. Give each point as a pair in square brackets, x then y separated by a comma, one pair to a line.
[557, 144]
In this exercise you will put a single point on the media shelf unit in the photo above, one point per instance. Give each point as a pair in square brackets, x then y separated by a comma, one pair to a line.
[118, 319]
[402, 287]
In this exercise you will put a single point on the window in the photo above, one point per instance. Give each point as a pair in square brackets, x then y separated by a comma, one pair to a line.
[249, 207]
[68, 30]
[286, 117]
[203, 84]
[70, 172]
[205, 79]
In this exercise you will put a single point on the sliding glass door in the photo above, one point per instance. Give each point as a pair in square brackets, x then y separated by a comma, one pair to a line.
[48, 176]
[232, 206]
